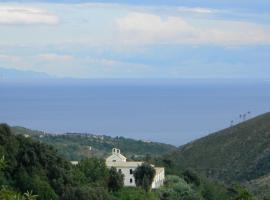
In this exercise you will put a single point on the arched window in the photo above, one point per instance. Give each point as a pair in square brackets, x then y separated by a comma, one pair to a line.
[131, 180]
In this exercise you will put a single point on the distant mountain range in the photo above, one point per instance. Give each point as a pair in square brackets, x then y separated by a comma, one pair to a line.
[11, 74]
[240, 154]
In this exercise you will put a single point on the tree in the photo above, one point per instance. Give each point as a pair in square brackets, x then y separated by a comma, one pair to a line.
[191, 176]
[94, 170]
[266, 198]
[2, 163]
[29, 196]
[7, 194]
[144, 176]
[207, 192]
[243, 194]
[115, 180]
[36, 167]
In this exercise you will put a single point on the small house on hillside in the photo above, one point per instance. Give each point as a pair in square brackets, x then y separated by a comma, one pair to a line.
[127, 168]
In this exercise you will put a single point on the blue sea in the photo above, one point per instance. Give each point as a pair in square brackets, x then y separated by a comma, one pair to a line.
[169, 111]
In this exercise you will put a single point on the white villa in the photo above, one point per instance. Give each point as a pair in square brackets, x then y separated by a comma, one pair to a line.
[127, 168]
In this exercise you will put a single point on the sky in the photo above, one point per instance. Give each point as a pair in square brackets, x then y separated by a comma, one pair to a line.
[137, 39]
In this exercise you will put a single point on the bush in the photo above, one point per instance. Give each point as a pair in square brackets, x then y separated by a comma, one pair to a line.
[8, 194]
[242, 194]
[172, 179]
[129, 193]
[177, 188]
[86, 193]
[191, 177]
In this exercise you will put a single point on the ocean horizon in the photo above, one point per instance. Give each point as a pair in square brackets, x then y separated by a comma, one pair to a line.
[168, 111]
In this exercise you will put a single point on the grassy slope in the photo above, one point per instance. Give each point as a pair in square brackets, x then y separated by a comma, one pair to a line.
[76, 146]
[237, 154]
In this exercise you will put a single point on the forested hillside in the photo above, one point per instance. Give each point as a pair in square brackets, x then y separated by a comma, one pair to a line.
[33, 166]
[240, 154]
[76, 146]
[30, 167]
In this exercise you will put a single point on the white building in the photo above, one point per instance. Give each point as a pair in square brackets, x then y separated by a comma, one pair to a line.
[127, 168]
[74, 162]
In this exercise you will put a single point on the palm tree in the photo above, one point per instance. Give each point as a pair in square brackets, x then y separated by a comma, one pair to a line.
[29, 196]
[248, 113]
[240, 116]
[244, 117]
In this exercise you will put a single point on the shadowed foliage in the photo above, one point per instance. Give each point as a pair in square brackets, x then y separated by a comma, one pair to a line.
[144, 176]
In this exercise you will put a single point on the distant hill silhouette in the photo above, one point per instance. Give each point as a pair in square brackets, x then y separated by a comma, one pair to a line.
[75, 146]
[7, 74]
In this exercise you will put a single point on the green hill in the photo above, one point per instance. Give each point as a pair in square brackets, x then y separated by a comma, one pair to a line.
[32, 166]
[27, 166]
[76, 146]
[237, 154]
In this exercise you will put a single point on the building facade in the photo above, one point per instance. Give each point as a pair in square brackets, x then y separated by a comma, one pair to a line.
[127, 168]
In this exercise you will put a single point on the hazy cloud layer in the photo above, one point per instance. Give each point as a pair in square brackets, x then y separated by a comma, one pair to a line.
[99, 40]
[198, 10]
[51, 57]
[9, 58]
[26, 15]
[149, 28]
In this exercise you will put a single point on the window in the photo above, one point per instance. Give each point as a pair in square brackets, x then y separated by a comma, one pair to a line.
[114, 160]
[119, 170]
[131, 180]
[131, 171]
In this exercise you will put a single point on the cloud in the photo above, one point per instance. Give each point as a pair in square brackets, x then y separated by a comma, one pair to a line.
[197, 10]
[26, 15]
[10, 58]
[55, 58]
[108, 68]
[149, 28]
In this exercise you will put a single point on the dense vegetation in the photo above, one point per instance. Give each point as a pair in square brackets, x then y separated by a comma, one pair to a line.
[144, 176]
[75, 146]
[35, 168]
[240, 154]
